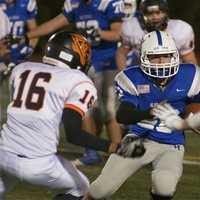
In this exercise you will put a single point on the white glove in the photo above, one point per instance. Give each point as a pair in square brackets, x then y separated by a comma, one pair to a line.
[169, 115]
[193, 120]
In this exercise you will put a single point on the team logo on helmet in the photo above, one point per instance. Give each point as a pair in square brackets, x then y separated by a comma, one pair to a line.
[82, 47]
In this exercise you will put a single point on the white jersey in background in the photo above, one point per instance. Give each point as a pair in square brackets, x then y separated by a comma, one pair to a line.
[40, 93]
[182, 32]
[5, 24]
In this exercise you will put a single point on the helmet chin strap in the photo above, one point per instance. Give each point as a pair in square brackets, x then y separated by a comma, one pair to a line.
[164, 82]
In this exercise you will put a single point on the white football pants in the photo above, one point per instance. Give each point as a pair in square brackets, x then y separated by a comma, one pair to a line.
[51, 171]
[167, 163]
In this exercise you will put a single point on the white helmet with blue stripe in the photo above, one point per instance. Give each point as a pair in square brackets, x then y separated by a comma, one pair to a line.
[159, 43]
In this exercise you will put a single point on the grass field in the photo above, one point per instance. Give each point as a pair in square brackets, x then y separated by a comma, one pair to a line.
[136, 188]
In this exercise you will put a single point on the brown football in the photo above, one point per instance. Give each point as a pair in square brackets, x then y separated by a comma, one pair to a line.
[192, 108]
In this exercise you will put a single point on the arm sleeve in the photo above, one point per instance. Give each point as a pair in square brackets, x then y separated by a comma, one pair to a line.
[187, 42]
[128, 114]
[72, 121]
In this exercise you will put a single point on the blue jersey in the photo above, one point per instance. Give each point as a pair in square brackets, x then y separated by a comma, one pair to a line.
[99, 14]
[19, 14]
[137, 88]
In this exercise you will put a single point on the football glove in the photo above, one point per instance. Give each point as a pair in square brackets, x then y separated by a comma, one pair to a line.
[132, 147]
[27, 51]
[170, 116]
[7, 71]
[193, 120]
[12, 40]
[93, 36]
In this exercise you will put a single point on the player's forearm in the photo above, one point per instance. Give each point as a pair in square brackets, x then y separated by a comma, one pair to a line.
[33, 42]
[48, 27]
[73, 128]
[113, 34]
[110, 35]
[121, 58]
[31, 26]
[128, 114]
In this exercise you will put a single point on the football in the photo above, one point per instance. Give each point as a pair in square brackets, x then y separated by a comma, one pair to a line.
[192, 108]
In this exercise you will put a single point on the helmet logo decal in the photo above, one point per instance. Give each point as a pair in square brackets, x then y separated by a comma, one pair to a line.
[81, 46]
[66, 56]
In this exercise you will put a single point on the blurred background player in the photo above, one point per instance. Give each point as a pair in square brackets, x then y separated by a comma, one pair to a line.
[154, 15]
[101, 20]
[4, 30]
[22, 16]
[40, 99]
[130, 8]
[142, 90]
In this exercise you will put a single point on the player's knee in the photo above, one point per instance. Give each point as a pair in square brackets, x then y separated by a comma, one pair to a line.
[164, 183]
[98, 190]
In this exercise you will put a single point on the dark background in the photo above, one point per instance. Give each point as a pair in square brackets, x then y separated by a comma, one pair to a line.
[188, 10]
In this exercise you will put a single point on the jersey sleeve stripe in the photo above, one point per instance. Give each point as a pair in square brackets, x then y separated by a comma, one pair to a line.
[67, 6]
[103, 5]
[124, 82]
[195, 88]
[73, 107]
[32, 5]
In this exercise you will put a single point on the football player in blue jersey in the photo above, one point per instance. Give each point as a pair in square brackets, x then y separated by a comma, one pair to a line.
[101, 21]
[152, 96]
[22, 16]
[154, 15]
